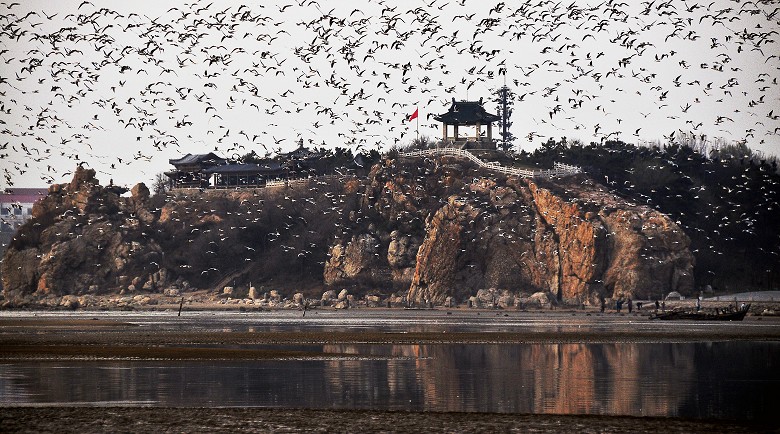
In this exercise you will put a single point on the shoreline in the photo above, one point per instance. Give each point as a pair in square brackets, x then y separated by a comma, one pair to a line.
[51, 335]
[214, 300]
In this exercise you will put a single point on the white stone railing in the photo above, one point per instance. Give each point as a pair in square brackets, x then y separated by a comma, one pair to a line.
[559, 169]
[299, 181]
[277, 183]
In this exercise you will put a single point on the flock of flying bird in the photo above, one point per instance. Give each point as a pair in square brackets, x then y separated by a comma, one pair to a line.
[123, 88]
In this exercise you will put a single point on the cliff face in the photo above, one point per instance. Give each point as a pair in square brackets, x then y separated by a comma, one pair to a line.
[570, 237]
[430, 228]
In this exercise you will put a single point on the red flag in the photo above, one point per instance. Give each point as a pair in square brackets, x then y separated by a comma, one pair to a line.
[414, 115]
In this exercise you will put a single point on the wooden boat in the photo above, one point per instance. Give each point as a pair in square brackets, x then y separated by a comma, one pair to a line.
[733, 315]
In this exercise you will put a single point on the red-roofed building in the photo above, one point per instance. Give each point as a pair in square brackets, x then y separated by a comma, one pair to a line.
[15, 209]
[16, 206]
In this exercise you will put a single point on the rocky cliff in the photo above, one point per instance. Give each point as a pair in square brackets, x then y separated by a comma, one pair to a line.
[83, 238]
[435, 230]
[472, 230]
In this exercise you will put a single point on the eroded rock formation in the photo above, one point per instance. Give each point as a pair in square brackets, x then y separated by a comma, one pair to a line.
[471, 230]
[78, 242]
[433, 230]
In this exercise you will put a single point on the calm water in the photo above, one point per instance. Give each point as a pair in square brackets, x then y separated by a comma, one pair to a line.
[721, 380]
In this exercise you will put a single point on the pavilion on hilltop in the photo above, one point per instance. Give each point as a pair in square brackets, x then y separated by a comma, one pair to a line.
[468, 114]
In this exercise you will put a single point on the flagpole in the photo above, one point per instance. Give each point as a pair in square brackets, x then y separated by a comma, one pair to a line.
[418, 126]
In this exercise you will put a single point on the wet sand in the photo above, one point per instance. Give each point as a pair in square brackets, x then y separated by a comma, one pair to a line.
[249, 420]
[47, 335]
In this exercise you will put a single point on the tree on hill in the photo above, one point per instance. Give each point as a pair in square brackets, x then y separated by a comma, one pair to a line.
[505, 100]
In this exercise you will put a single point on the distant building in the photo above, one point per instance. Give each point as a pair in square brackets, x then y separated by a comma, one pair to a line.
[190, 170]
[301, 161]
[468, 114]
[16, 206]
[212, 171]
[237, 175]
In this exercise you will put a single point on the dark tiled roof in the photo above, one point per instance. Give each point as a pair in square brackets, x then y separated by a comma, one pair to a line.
[197, 158]
[271, 167]
[302, 154]
[467, 113]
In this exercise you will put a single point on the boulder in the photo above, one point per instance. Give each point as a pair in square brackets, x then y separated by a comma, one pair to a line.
[328, 297]
[539, 299]
[69, 301]
[140, 194]
[172, 292]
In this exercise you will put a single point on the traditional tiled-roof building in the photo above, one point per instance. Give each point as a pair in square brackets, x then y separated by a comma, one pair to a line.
[237, 175]
[210, 170]
[468, 114]
[190, 170]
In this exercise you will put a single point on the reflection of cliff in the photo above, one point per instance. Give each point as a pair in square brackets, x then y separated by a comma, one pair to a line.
[607, 378]
[722, 380]
[633, 379]
[393, 376]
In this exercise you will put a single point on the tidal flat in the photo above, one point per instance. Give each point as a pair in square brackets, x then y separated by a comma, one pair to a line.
[384, 370]
[263, 420]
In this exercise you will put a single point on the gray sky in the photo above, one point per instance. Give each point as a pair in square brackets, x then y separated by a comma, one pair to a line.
[124, 86]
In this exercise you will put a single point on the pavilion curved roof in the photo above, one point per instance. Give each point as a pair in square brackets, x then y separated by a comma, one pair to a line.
[467, 113]
[211, 158]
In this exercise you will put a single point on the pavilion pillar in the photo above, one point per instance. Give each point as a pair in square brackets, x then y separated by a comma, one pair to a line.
[444, 132]
[490, 132]
[455, 133]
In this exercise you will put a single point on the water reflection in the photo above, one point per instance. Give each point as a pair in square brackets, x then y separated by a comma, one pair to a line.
[727, 380]
[635, 379]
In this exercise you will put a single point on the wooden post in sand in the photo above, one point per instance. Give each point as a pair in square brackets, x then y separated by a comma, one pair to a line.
[181, 303]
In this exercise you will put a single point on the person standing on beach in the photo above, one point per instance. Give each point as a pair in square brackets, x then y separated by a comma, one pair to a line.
[630, 306]
[603, 303]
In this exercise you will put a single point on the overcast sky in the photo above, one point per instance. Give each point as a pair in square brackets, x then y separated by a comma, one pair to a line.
[123, 86]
